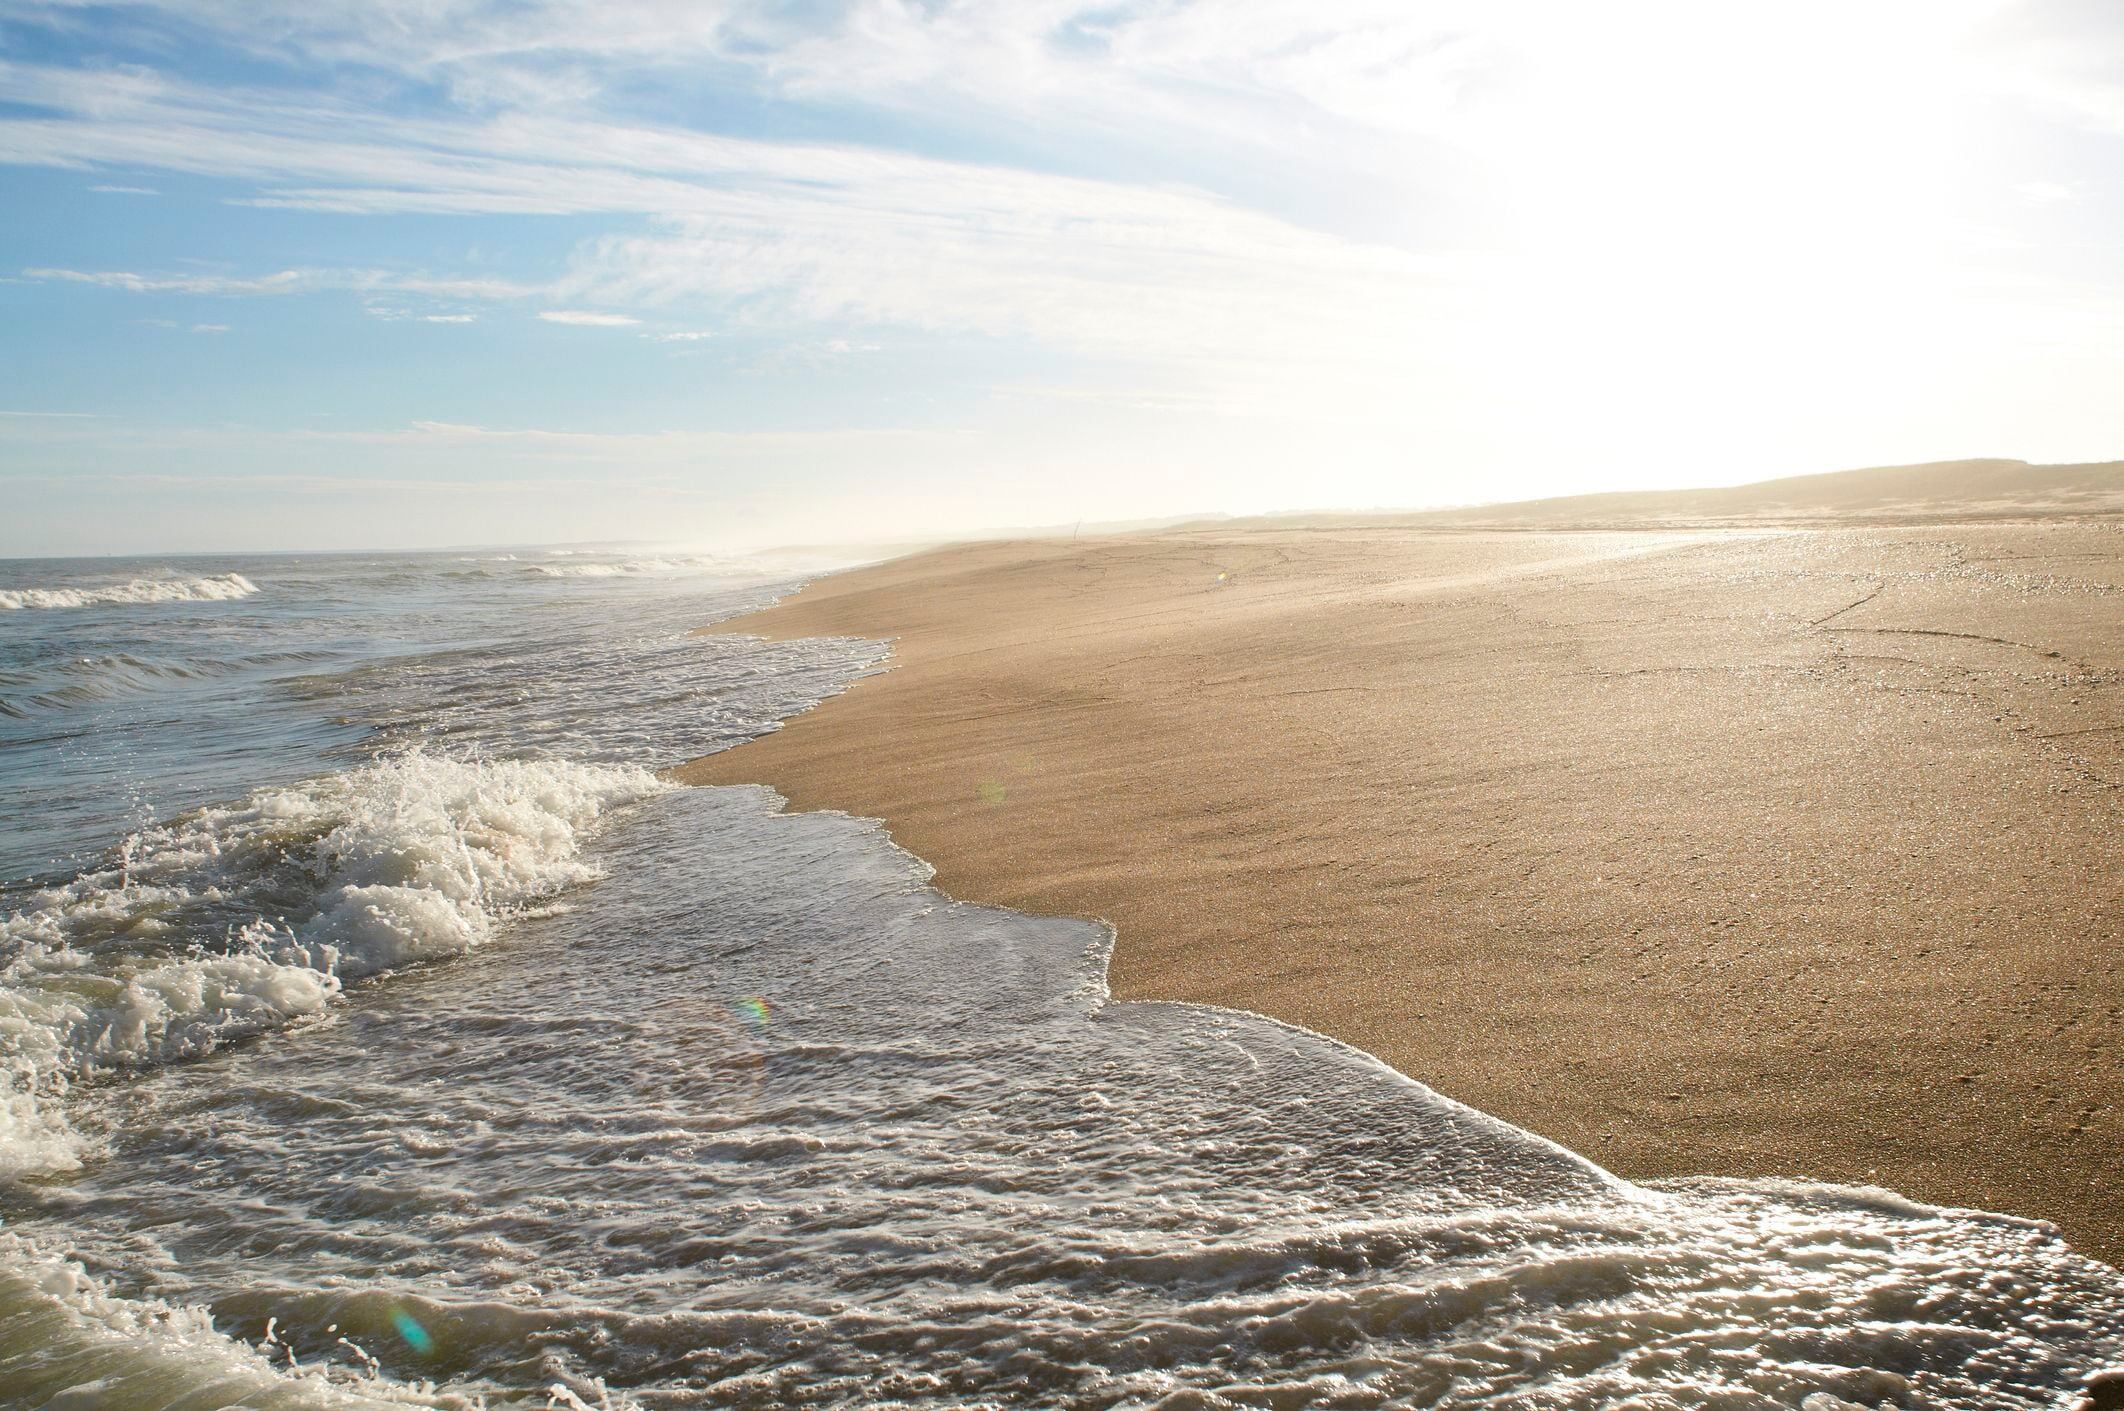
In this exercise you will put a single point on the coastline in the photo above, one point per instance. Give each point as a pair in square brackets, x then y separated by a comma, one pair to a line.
[1702, 853]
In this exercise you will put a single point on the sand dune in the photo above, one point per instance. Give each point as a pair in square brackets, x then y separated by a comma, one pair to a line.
[1949, 489]
[1971, 490]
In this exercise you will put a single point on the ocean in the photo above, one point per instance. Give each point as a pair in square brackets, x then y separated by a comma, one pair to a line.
[377, 1027]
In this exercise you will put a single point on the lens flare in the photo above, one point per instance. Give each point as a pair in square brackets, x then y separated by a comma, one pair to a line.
[410, 1329]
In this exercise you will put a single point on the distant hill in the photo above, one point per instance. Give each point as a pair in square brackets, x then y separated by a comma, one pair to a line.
[1973, 489]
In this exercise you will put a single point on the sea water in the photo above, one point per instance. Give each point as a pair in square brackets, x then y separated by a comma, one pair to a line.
[379, 1028]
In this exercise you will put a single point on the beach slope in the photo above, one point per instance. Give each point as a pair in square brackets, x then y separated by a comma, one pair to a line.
[1732, 852]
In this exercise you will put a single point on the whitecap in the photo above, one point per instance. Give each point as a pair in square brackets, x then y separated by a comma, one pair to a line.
[222, 587]
[241, 919]
[73, 1345]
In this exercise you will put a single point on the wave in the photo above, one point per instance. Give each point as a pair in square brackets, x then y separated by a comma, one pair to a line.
[767, 1120]
[216, 588]
[63, 684]
[587, 563]
[632, 568]
[242, 919]
[725, 565]
[72, 1343]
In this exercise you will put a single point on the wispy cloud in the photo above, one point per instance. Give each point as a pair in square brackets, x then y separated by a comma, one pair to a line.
[760, 233]
[398, 313]
[2049, 193]
[2061, 57]
[495, 445]
[580, 318]
[126, 190]
[287, 281]
[1149, 73]
[210, 328]
[1414, 230]
[630, 443]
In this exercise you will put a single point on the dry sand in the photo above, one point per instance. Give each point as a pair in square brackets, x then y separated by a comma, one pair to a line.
[1729, 853]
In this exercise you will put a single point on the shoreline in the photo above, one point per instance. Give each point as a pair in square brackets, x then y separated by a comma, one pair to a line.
[1643, 842]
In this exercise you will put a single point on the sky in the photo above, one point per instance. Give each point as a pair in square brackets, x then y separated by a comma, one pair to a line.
[408, 273]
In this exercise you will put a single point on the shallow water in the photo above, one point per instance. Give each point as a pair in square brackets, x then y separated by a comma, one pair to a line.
[496, 1071]
[115, 714]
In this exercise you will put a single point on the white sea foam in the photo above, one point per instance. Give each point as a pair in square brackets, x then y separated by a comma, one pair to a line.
[767, 1121]
[582, 570]
[216, 588]
[74, 1346]
[648, 565]
[241, 919]
[631, 568]
[34, 1137]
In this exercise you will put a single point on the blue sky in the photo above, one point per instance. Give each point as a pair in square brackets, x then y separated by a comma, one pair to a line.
[445, 271]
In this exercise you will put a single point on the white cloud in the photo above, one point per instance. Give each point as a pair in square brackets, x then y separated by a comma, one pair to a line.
[629, 446]
[2049, 193]
[763, 233]
[210, 328]
[674, 449]
[1168, 277]
[1144, 72]
[288, 281]
[285, 282]
[1357, 209]
[685, 336]
[2065, 57]
[449, 318]
[126, 190]
[579, 318]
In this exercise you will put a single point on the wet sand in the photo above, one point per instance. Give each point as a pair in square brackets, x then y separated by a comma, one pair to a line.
[1735, 853]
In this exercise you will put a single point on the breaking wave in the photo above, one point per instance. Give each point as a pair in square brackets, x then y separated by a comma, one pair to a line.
[763, 1120]
[629, 568]
[215, 588]
[652, 565]
[88, 1348]
[241, 919]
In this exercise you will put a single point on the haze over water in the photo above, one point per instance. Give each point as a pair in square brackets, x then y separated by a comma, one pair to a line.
[378, 1026]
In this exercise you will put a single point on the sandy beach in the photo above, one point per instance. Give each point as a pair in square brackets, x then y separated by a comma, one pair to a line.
[1739, 851]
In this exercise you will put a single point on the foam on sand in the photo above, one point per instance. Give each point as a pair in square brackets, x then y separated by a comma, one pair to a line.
[241, 919]
[763, 1119]
[222, 587]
